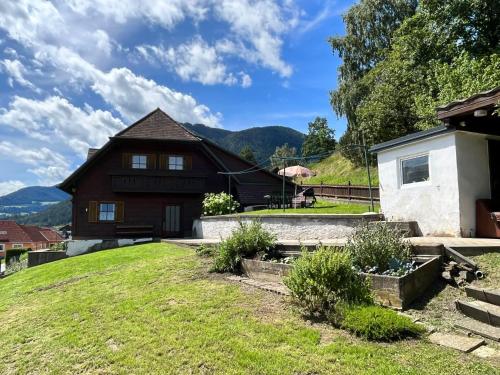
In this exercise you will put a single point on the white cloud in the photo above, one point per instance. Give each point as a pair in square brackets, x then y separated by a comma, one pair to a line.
[16, 71]
[10, 186]
[193, 61]
[54, 119]
[133, 96]
[261, 23]
[164, 13]
[50, 166]
[246, 80]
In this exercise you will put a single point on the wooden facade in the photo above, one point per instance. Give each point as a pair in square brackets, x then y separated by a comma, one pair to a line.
[150, 180]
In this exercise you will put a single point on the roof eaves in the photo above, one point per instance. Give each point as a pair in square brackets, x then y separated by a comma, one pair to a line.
[410, 138]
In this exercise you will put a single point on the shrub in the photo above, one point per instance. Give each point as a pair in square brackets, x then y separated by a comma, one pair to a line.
[375, 245]
[379, 324]
[14, 255]
[219, 204]
[204, 250]
[246, 241]
[321, 280]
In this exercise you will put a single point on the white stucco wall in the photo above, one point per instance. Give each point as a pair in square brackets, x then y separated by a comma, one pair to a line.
[433, 204]
[285, 227]
[473, 177]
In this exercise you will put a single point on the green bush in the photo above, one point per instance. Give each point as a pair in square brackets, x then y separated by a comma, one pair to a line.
[375, 245]
[219, 204]
[379, 324]
[204, 250]
[14, 255]
[320, 281]
[246, 241]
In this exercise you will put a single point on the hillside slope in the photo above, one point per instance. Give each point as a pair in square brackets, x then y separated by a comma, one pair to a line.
[155, 309]
[30, 199]
[262, 140]
[56, 214]
[337, 170]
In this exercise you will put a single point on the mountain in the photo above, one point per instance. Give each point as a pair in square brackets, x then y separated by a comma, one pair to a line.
[262, 140]
[30, 200]
[56, 214]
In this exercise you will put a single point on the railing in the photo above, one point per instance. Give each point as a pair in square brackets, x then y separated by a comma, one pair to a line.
[350, 192]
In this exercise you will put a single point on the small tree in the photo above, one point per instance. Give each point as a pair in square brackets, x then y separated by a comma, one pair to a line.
[247, 154]
[320, 139]
[284, 151]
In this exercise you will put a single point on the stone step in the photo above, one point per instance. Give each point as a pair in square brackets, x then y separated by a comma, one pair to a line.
[463, 343]
[486, 295]
[483, 311]
[481, 329]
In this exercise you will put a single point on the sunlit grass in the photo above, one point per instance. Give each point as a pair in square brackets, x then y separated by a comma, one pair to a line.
[154, 309]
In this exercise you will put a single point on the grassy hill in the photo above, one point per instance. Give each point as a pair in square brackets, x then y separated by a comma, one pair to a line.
[57, 214]
[262, 140]
[337, 170]
[30, 199]
[154, 309]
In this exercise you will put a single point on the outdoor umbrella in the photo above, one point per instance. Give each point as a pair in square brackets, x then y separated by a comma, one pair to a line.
[296, 171]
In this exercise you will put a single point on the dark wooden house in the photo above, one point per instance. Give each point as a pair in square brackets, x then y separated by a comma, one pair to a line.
[150, 180]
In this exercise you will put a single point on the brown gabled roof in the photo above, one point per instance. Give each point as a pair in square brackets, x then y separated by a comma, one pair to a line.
[51, 235]
[157, 125]
[483, 100]
[91, 152]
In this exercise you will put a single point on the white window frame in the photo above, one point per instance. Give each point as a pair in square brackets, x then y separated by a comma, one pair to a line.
[139, 161]
[2, 247]
[109, 216]
[403, 185]
[17, 246]
[174, 164]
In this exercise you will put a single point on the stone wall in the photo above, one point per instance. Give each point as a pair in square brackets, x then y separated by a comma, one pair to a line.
[286, 227]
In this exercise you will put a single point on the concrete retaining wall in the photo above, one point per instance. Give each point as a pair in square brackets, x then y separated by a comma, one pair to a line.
[286, 227]
[78, 247]
[35, 258]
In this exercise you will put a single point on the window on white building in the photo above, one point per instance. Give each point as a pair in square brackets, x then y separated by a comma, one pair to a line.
[139, 161]
[176, 163]
[415, 169]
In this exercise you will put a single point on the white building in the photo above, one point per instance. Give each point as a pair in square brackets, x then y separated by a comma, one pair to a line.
[436, 176]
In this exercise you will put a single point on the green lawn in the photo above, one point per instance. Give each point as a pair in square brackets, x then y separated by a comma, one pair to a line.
[322, 207]
[153, 309]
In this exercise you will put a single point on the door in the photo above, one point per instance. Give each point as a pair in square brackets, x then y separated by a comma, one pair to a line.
[494, 152]
[172, 224]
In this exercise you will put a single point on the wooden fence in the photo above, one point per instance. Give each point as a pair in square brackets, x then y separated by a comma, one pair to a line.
[350, 192]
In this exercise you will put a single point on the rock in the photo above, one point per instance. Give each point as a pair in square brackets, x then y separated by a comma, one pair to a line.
[462, 343]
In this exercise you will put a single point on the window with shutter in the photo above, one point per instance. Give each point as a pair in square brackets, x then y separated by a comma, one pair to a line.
[151, 162]
[126, 160]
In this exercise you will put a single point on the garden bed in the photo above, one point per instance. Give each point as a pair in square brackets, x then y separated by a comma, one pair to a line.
[392, 291]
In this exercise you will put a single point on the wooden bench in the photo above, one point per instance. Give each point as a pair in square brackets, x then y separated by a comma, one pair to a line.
[134, 230]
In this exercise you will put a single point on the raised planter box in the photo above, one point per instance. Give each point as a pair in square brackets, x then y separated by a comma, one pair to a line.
[400, 292]
[265, 271]
[392, 291]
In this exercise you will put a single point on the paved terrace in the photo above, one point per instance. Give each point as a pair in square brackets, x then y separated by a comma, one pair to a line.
[469, 244]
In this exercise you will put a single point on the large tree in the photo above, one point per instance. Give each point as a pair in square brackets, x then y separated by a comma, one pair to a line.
[320, 139]
[446, 50]
[247, 154]
[281, 156]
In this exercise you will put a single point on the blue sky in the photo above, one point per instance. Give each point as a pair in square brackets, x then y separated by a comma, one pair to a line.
[74, 72]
